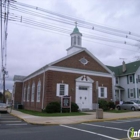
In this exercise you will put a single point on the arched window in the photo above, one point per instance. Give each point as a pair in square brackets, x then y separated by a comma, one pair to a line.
[33, 92]
[38, 91]
[79, 40]
[28, 93]
[24, 97]
[74, 40]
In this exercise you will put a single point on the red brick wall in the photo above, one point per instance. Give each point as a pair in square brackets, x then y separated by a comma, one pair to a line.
[73, 62]
[54, 77]
[33, 105]
[18, 92]
[51, 79]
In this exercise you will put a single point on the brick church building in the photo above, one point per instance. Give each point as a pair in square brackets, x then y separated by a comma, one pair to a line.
[74, 75]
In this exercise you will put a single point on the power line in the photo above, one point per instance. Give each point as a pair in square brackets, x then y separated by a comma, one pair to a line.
[68, 35]
[93, 25]
[27, 11]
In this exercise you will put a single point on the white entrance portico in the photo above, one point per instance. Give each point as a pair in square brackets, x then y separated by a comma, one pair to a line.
[84, 92]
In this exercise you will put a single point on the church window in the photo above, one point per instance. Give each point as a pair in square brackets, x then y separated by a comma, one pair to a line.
[28, 93]
[38, 91]
[83, 61]
[61, 89]
[102, 92]
[33, 92]
[24, 97]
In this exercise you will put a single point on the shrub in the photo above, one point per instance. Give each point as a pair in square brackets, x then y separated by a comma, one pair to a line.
[111, 105]
[74, 108]
[53, 107]
[103, 104]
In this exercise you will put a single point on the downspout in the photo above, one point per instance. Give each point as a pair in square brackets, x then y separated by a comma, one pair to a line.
[43, 89]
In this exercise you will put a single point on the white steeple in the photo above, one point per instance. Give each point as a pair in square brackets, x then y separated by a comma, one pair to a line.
[76, 41]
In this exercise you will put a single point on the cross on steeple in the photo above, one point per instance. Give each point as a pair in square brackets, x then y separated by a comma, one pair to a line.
[76, 23]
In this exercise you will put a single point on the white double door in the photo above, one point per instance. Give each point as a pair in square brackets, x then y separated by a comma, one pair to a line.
[84, 98]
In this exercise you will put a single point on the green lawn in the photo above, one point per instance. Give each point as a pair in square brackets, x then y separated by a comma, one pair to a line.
[43, 114]
[118, 111]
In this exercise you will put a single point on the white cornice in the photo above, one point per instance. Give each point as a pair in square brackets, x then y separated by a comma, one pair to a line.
[69, 70]
[79, 71]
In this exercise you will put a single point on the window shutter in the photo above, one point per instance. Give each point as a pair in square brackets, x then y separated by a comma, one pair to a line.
[99, 92]
[127, 79]
[105, 92]
[66, 89]
[57, 89]
[133, 78]
[134, 93]
[128, 94]
[137, 93]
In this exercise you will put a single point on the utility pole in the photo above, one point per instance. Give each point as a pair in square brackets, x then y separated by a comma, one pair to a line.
[4, 26]
[4, 85]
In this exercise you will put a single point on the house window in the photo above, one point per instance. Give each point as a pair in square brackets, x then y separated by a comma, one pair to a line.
[102, 92]
[131, 93]
[33, 92]
[24, 98]
[38, 91]
[138, 78]
[74, 40]
[117, 80]
[62, 89]
[130, 78]
[28, 93]
[138, 93]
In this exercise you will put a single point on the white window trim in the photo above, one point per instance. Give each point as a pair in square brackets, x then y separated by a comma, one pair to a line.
[130, 93]
[33, 92]
[58, 89]
[38, 91]
[105, 92]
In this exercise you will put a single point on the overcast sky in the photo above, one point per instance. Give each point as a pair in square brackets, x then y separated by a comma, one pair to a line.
[28, 48]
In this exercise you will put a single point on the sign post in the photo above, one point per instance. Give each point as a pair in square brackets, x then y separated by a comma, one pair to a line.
[65, 102]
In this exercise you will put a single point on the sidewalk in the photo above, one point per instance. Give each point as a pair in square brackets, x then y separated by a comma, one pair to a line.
[91, 117]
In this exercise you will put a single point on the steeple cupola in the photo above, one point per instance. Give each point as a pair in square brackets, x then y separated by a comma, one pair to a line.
[76, 37]
[76, 41]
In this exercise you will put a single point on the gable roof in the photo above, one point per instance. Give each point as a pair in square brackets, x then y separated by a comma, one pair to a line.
[89, 53]
[41, 70]
[130, 68]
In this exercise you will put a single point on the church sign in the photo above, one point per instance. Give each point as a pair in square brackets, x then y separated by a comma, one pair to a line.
[65, 102]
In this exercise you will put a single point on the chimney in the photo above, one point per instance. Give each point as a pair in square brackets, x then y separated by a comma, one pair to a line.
[123, 67]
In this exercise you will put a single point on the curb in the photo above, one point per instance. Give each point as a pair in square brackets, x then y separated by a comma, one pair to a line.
[98, 120]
